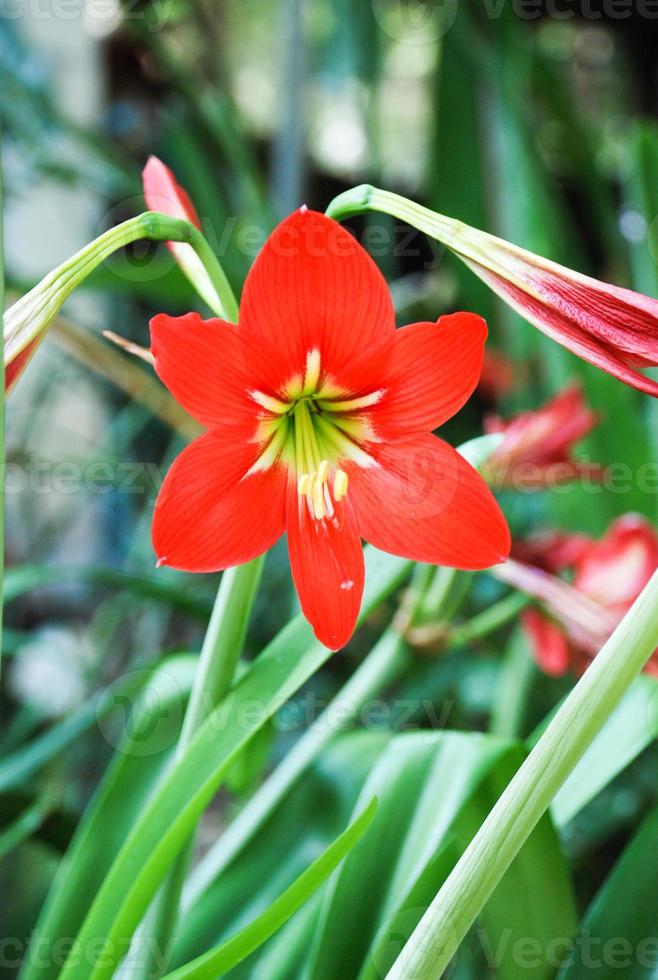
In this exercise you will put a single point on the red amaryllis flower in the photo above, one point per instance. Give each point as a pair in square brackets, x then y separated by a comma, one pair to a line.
[537, 445]
[606, 578]
[319, 417]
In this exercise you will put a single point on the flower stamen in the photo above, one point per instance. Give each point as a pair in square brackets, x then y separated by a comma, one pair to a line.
[314, 487]
[340, 485]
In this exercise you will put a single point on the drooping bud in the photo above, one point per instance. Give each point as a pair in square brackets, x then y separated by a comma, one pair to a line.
[164, 194]
[614, 328]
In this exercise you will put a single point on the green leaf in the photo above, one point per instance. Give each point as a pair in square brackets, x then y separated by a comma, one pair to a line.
[143, 753]
[21, 580]
[626, 733]
[302, 823]
[166, 821]
[238, 947]
[25, 761]
[26, 824]
[617, 937]
[434, 790]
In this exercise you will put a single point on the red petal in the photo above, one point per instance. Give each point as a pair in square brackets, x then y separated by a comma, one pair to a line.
[200, 362]
[163, 193]
[328, 570]
[210, 516]
[549, 644]
[425, 502]
[313, 287]
[435, 367]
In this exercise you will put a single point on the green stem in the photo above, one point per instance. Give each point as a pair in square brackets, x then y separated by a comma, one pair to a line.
[486, 622]
[220, 653]
[438, 935]
[227, 306]
[28, 319]
[469, 243]
[517, 673]
[222, 644]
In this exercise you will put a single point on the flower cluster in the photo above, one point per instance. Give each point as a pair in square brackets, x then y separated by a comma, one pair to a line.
[605, 579]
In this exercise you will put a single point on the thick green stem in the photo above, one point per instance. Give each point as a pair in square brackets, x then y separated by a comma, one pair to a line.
[470, 244]
[220, 653]
[27, 320]
[222, 644]
[438, 935]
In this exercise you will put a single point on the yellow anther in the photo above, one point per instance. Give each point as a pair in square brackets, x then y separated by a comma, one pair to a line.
[302, 484]
[312, 375]
[323, 471]
[340, 485]
[318, 500]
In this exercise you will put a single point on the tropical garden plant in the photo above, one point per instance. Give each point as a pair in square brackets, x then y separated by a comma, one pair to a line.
[408, 731]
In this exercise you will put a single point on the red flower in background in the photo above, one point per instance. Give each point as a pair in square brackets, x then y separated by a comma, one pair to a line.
[608, 575]
[537, 445]
[499, 376]
[319, 417]
[163, 193]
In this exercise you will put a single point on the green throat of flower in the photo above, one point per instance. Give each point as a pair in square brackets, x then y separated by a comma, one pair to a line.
[315, 428]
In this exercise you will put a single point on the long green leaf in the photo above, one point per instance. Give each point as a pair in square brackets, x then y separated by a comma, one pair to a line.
[26, 824]
[238, 947]
[296, 830]
[30, 758]
[189, 785]
[617, 937]
[434, 790]
[154, 717]
[628, 731]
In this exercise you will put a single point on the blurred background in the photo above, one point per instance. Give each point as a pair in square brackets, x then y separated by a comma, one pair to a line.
[533, 120]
